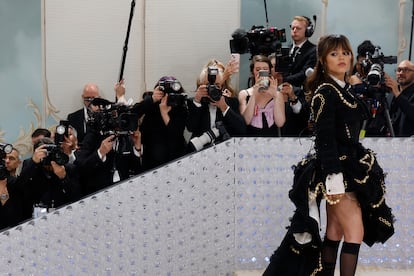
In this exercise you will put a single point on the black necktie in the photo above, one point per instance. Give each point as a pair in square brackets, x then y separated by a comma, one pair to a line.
[294, 52]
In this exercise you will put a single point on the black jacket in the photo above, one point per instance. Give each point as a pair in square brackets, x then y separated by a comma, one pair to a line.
[11, 213]
[305, 58]
[198, 120]
[402, 112]
[77, 120]
[97, 174]
[42, 185]
[162, 143]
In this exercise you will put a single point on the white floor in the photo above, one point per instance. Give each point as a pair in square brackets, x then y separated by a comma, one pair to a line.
[360, 272]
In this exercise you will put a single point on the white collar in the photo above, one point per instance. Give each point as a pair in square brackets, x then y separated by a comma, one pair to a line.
[339, 82]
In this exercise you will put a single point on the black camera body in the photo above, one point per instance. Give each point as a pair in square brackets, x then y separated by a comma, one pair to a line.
[258, 40]
[4, 150]
[373, 66]
[213, 90]
[113, 118]
[54, 153]
[173, 88]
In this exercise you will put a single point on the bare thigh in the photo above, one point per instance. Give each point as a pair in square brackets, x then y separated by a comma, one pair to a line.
[345, 220]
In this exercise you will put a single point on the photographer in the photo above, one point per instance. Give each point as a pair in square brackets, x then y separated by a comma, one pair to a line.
[11, 193]
[162, 128]
[402, 101]
[49, 181]
[109, 152]
[368, 85]
[214, 102]
[262, 106]
[297, 110]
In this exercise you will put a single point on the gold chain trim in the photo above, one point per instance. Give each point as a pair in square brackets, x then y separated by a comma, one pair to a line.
[354, 105]
[321, 107]
[386, 222]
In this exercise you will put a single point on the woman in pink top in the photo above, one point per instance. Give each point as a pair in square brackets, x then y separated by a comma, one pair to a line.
[262, 105]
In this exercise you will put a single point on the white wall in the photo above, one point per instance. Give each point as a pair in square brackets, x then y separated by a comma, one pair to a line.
[83, 42]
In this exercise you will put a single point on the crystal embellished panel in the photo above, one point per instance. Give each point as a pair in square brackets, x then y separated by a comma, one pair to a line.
[264, 176]
[211, 213]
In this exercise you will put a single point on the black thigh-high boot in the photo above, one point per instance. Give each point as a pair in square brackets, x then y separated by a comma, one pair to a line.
[329, 253]
[349, 258]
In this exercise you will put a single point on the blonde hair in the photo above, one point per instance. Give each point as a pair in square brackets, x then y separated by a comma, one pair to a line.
[221, 67]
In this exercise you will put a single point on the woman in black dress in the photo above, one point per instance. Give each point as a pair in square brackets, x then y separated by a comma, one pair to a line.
[341, 171]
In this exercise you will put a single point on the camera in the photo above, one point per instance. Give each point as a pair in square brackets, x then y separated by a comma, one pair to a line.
[373, 66]
[212, 89]
[62, 131]
[54, 153]
[4, 150]
[258, 40]
[210, 136]
[173, 88]
[112, 118]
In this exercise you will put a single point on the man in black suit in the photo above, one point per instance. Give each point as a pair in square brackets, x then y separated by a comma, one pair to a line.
[303, 60]
[79, 118]
[402, 101]
[302, 52]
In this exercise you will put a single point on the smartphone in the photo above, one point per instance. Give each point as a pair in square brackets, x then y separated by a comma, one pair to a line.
[263, 80]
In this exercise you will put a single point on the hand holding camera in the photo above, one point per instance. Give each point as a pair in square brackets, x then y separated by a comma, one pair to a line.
[157, 95]
[106, 145]
[39, 154]
[201, 93]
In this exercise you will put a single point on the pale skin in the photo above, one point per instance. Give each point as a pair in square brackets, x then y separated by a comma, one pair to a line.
[405, 77]
[344, 219]
[261, 98]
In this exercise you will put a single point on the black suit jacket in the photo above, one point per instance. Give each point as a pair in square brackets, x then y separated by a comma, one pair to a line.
[97, 174]
[198, 120]
[77, 121]
[305, 58]
[402, 112]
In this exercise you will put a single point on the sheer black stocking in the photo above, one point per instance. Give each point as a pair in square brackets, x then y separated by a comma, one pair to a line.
[349, 258]
[329, 253]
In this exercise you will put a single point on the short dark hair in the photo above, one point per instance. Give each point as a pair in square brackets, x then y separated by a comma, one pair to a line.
[41, 131]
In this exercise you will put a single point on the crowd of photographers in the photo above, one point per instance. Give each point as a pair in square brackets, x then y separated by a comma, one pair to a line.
[105, 142]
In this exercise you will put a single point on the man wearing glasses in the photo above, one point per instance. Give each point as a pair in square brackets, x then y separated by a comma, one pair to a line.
[402, 101]
[79, 118]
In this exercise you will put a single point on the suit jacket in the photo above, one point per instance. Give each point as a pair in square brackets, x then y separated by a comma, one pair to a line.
[198, 120]
[305, 58]
[402, 112]
[77, 121]
[97, 174]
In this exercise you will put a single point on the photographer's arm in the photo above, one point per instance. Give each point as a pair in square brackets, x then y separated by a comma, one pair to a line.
[250, 107]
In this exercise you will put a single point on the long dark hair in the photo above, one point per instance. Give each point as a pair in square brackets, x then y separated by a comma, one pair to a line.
[320, 75]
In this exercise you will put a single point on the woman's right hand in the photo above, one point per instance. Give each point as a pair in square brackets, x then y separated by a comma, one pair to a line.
[157, 95]
[201, 93]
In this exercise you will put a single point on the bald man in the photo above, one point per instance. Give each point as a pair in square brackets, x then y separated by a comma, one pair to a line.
[402, 101]
[79, 118]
